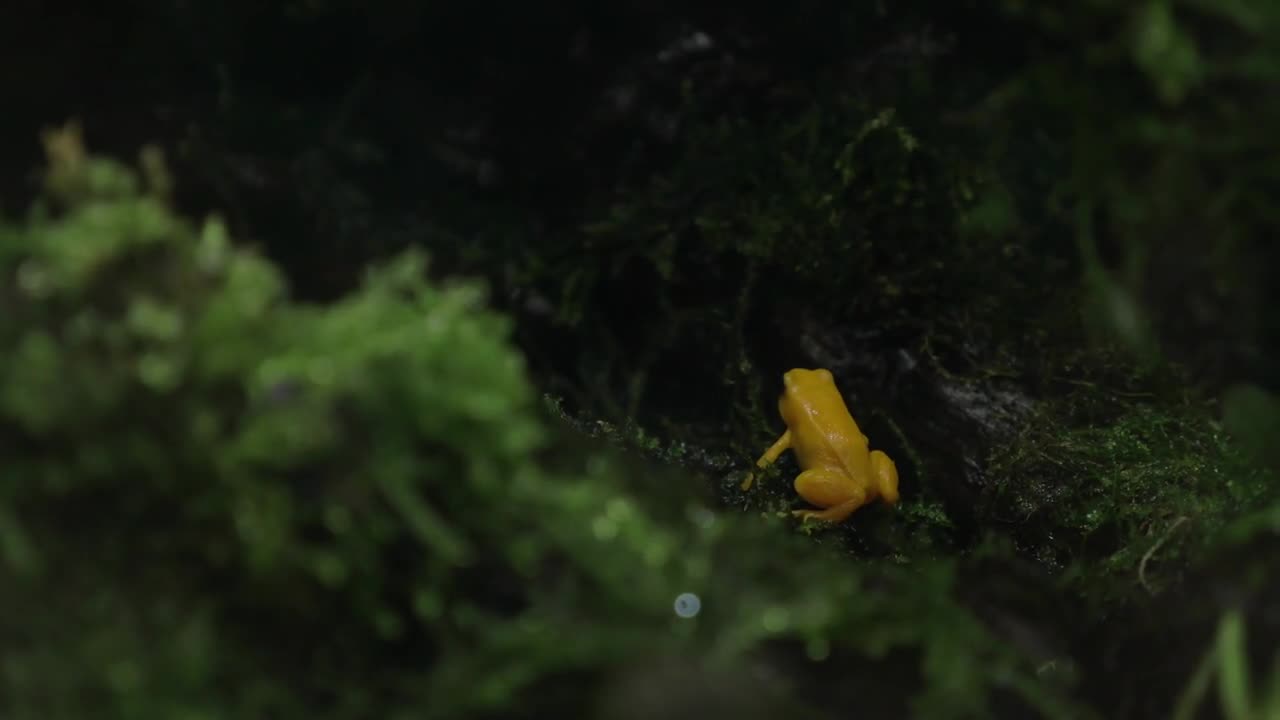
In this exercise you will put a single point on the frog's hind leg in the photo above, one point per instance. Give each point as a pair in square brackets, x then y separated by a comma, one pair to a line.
[835, 514]
[886, 475]
[769, 457]
[828, 489]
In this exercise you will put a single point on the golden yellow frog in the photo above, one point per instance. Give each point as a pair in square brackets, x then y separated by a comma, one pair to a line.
[839, 474]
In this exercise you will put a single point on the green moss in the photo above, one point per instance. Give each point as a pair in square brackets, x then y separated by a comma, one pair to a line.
[801, 200]
[1128, 501]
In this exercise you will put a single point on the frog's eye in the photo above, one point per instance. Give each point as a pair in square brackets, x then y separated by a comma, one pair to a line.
[826, 375]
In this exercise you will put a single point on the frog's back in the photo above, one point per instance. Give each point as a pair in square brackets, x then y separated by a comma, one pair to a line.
[825, 434]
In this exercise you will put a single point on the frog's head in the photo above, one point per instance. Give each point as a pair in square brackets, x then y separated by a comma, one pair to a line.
[801, 380]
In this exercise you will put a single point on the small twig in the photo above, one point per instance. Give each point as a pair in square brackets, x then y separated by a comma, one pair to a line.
[1146, 557]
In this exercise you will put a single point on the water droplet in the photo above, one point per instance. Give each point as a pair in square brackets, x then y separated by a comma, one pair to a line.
[687, 605]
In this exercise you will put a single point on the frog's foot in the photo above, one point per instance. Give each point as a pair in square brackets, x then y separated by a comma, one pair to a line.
[835, 514]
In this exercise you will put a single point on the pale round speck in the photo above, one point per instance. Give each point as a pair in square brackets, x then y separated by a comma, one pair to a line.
[687, 605]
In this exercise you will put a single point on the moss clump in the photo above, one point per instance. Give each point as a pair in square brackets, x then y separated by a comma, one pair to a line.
[1126, 502]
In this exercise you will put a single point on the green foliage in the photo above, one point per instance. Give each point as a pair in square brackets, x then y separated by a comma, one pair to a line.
[1227, 660]
[1252, 415]
[1152, 123]
[220, 503]
[1155, 120]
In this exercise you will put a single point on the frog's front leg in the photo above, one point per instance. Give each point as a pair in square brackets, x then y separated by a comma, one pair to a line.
[830, 489]
[769, 457]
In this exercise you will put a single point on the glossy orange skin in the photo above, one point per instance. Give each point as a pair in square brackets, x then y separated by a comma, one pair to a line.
[839, 474]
